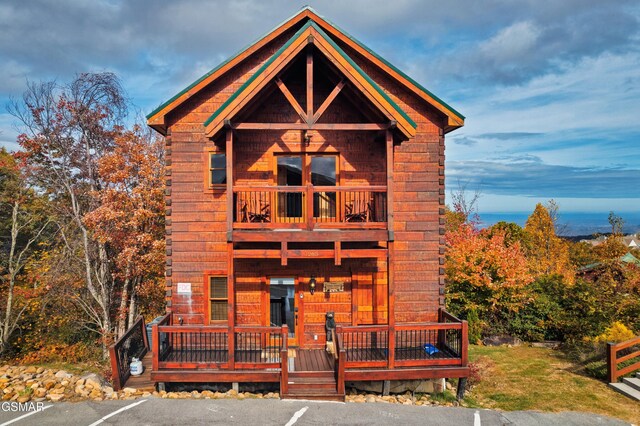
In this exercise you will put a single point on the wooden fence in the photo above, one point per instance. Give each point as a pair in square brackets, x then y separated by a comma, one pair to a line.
[618, 354]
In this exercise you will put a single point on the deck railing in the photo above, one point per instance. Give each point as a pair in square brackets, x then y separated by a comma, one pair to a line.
[309, 207]
[619, 356]
[407, 345]
[258, 347]
[133, 343]
[212, 347]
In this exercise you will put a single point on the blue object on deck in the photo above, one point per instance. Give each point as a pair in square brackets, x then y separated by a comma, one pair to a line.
[430, 349]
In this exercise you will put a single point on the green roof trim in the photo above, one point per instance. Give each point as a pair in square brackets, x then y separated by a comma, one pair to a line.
[231, 58]
[365, 75]
[257, 73]
[387, 63]
[390, 65]
[310, 23]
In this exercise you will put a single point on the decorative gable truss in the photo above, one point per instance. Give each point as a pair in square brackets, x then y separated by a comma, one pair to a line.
[311, 34]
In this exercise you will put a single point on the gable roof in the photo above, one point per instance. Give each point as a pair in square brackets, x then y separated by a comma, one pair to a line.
[310, 33]
[156, 119]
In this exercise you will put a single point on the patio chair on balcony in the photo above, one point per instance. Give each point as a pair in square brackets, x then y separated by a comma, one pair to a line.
[355, 214]
[263, 216]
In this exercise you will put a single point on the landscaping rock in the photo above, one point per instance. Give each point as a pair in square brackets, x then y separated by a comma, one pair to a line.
[55, 397]
[93, 380]
[501, 340]
[62, 375]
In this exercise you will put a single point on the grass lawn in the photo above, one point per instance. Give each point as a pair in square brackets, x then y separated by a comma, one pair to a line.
[526, 378]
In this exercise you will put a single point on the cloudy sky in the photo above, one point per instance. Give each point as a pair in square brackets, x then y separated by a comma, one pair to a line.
[550, 88]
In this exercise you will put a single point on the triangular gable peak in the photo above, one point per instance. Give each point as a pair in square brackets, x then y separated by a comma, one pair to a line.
[310, 33]
[454, 120]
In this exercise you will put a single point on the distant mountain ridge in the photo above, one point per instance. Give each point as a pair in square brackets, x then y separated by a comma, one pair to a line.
[572, 224]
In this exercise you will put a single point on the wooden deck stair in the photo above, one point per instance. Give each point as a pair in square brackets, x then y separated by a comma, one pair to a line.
[629, 387]
[313, 378]
[142, 382]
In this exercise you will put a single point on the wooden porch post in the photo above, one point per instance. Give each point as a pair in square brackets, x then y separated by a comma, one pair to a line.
[284, 361]
[229, 158]
[612, 363]
[389, 143]
[391, 306]
[231, 305]
[390, 253]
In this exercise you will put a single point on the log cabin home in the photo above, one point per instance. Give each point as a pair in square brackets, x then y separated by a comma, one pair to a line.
[305, 189]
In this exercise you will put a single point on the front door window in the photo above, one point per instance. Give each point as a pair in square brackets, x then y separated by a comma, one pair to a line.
[282, 306]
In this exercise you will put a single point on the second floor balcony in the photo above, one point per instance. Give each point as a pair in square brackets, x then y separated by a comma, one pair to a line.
[310, 207]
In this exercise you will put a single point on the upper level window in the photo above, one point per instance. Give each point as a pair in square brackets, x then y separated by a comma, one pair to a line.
[217, 169]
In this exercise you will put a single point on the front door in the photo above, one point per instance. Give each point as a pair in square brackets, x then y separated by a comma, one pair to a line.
[283, 308]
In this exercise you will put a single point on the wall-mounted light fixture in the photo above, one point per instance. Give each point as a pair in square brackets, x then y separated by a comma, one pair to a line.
[312, 284]
[307, 137]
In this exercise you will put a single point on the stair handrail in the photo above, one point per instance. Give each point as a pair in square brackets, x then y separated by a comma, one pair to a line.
[614, 361]
[120, 355]
[340, 361]
[284, 361]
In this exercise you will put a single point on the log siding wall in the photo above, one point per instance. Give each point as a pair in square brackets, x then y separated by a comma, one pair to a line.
[196, 216]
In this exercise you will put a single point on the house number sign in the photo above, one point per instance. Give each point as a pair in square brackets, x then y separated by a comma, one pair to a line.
[333, 287]
[184, 288]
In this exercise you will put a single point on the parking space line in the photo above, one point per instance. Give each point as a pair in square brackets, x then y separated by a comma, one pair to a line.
[296, 416]
[125, 408]
[25, 415]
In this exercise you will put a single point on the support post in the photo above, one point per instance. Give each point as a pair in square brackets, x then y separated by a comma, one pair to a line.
[115, 368]
[155, 347]
[337, 248]
[386, 387]
[229, 165]
[284, 254]
[389, 144]
[231, 306]
[462, 384]
[284, 361]
[464, 347]
[309, 195]
[391, 306]
[612, 367]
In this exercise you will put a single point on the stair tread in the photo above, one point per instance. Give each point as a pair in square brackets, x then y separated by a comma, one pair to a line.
[626, 390]
[313, 391]
[632, 381]
[312, 380]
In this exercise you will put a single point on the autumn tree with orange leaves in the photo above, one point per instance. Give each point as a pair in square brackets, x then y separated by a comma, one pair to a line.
[486, 277]
[547, 253]
[105, 184]
[129, 219]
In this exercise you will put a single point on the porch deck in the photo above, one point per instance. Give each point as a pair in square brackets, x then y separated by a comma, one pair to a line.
[313, 360]
[260, 354]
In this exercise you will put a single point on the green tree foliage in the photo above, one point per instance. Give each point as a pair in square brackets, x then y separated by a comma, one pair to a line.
[486, 277]
[546, 252]
[105, 184]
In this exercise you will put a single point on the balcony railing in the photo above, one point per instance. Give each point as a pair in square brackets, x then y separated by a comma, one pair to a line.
[442, 343]
[310, 207]
[213, 347]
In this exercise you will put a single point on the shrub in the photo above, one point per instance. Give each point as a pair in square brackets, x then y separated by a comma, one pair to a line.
[618, 332]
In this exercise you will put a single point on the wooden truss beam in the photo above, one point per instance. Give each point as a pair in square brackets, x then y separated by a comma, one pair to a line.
[284, 254]
[315, 126]
[292, 100]
[336, 90]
